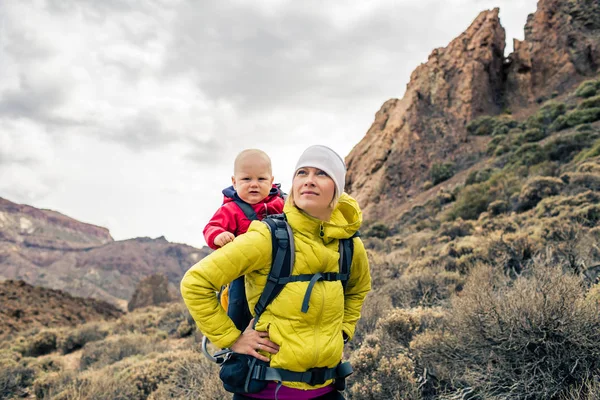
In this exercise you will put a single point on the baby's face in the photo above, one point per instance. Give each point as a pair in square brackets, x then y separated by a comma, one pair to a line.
[253, 179]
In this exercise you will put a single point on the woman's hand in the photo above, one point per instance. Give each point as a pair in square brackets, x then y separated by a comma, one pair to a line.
[251, 341]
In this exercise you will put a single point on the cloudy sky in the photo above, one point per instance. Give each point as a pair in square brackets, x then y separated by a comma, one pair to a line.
[128, 115]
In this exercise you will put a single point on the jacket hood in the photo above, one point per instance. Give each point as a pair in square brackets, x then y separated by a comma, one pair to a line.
[345, 220]
[229, 193]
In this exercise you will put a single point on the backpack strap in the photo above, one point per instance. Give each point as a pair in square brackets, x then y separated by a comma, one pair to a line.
[246, 209]
[282, 242]
[346, 249]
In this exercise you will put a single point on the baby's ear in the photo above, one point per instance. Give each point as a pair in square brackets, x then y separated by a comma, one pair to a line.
[272, 179]
[233, 181]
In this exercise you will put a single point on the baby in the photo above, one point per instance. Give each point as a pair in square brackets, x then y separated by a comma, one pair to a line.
[251, 197]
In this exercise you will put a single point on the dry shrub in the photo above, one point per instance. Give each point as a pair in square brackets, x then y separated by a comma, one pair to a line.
[402, 324]
[588, 216]
[376, 305]
[424, 287]
[43, 342]
[49, 386]
[590, 167]
[503, 224]
[115, 348]
[456, 228]
[498, 207]
[185, 329]
[15, 378]
[583, 180]
[569, 245]
[192, 376]
[378, 376]
[589, 389]
[130, 379]
[566, 206]
[512, 252]
[537, 338]
[154, 319]
[537, 188]
[76, 338]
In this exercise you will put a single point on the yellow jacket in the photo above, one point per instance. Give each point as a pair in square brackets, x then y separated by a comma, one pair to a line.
[306, 340]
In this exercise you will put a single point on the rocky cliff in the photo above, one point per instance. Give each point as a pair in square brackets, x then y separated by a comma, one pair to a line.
[572, 30]
[468, 78]
[45, 248]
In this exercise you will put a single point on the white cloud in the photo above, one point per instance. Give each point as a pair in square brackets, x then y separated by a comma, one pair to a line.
[129, 115]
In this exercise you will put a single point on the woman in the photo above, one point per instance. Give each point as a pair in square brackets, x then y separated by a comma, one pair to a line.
[319, 214]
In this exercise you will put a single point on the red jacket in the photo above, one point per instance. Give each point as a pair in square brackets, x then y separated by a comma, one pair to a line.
[230, 217]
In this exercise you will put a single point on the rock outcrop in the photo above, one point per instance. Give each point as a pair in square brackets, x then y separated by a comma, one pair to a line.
[153, 290]
[45, 248]
[469, 78]
[456, 84]
[25, 307]
[562, 45]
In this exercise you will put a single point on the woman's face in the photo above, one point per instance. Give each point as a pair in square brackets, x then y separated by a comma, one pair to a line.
[313, 192]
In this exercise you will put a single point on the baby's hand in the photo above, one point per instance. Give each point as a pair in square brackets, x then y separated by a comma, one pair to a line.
[223, 238]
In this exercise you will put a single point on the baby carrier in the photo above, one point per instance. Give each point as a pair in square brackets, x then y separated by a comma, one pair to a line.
[241, 373]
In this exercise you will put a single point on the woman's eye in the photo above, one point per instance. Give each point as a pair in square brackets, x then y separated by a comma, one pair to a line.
[322, 173]
[301, 172]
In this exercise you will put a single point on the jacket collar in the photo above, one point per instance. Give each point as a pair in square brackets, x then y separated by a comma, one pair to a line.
[345, 220]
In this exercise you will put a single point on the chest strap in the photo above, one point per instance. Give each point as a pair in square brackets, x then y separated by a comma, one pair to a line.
[312, 279]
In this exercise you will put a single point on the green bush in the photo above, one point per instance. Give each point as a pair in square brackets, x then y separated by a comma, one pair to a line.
[563, 149]
[495, 142]
[593, 102]
[587, 89]
[471, 201]
[589, 153]
[441, 172]
[528, 154]
[546, 115]
[585, 128]
[478, 176]
[491, 126]
[532, 135]
[578, 117]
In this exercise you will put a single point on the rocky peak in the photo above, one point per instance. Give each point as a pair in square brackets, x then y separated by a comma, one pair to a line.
[571, 29]
[457, 83]
[152, 291]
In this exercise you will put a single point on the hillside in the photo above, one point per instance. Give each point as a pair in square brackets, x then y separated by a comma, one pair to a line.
[46, 248]
[27, 307]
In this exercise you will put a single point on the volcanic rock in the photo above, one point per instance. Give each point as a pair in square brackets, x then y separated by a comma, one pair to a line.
[456, 84]
[153, 290]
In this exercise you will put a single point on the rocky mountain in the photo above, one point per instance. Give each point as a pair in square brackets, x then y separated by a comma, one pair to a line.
[45, 248]
[153, 290]
[469, 78]
[25, 306]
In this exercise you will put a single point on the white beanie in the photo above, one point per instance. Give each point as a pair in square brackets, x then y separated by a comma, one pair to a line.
[325, 159]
